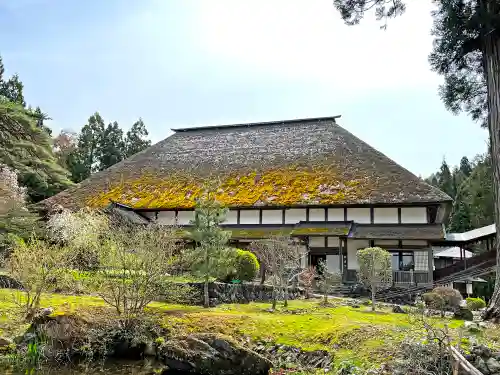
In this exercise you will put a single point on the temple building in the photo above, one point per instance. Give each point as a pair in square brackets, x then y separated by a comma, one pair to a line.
[309, 178]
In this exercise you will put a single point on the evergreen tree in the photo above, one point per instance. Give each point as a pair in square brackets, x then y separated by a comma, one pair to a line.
[460, 220]
[445, 180]
[465, 166]
[89, 140]
[136, 139]
[466, 51]
[210, 255]
[111, 146]
[27, 149]
[12, 88]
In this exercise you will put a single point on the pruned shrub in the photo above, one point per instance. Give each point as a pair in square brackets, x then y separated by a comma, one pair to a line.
[247, 266]
[475, 303]
[443, 298]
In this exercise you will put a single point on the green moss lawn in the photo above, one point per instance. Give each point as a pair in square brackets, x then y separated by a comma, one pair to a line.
[356, 334]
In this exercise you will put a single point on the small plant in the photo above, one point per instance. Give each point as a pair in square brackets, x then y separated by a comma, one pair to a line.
[327, 280]
[474, 304]
[247, 265]
[347, 368]
[306, 279]
[375, 270]
[442, 298]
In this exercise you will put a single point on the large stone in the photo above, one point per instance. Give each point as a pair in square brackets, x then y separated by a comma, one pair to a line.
[463, 313]
[398, 310]
[4, 341]
[493, 366]
[472, 327]
[209, 354]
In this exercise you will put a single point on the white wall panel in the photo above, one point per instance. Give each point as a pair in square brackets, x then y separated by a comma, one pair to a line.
[352, 249]
[335, 214]
[166, 217]
[249, 217]
[272, 217]
[385, 215]
[383, 243]
[317, 214]
[333, 263]
[316, 241]
[294, 215]
[232, 217]
[415, 215]
[359, 215]
[185, 217]
[333, 242]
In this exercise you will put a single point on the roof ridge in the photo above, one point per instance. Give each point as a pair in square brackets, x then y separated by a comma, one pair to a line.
[277, 122]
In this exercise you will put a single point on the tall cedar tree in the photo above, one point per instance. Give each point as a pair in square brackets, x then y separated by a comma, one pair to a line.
[111, 147]
[211, 255]
[466, 52]
[89, 141]
[136, 139]
[445, 180]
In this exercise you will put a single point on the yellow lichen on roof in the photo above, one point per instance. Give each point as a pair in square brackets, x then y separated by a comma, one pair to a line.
[284, 187]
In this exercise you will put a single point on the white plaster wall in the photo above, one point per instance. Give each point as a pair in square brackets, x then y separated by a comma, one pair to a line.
[414, 243]
[272, 217]
[352, 248]
[185, 217]
[231, 217]
[317, 214]
[316, 241]
[359, 215]
[415, 215]
[249, 217]
[421, 259]
[385, 215]
[333, 242]
[333, 263]
[335, 214]
[166, 217]
[294, 215]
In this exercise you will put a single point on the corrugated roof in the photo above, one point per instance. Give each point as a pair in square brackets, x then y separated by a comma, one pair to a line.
[472, 234]
[283, 163]
[450, 252]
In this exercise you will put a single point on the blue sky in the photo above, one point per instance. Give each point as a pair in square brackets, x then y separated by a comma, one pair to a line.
[197, 62]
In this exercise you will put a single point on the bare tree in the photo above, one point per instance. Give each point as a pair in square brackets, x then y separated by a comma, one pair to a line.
[281, 257]
[36, 265]
[375, 269]
[307, 278]
[327, 280]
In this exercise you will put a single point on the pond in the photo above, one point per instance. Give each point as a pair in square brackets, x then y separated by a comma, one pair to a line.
[108, 368]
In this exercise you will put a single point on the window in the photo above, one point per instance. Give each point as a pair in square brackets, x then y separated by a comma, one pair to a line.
[402, 260]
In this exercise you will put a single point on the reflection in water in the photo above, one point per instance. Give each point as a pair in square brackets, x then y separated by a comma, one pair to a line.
[146, 367]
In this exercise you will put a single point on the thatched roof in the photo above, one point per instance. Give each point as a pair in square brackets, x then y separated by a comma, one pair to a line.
[286, 163]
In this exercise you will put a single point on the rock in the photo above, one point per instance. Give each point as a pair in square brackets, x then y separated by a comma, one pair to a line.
[481, 351]
[398, 310]
[211, 354]
[493, 365]
[150, 350]
[472, 327]
[355, 306]
[317, 359]
[4, 341]
[481, 366]
[463, 314]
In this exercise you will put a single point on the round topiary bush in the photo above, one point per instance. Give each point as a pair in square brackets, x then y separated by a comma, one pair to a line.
[474, 304]
[443, 298]
[247, 266]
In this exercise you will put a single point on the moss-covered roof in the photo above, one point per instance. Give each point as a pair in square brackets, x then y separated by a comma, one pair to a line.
[289, 163]
[398, 231]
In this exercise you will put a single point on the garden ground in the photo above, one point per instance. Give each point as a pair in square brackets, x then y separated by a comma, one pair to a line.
[356, 334]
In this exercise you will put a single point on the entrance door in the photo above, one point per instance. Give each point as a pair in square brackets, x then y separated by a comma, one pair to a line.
[316, 259]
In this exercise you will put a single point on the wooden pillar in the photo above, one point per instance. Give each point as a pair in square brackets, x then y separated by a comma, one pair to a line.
[430, 262]
[465, 258]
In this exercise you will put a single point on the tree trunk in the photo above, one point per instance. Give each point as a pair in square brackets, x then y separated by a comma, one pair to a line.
[491, 53]
[373, 298]
[274, 298]
[262, 274]
[285, 297]
[206, 297]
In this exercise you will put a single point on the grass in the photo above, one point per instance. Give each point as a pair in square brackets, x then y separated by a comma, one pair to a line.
[363, 337]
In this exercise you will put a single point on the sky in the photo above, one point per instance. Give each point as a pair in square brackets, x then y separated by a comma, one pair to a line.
[182, 63]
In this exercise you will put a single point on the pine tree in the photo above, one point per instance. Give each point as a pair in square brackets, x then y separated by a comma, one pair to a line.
[466, 52]
[210, 256]
[12, 88]
[111, 146]
[136, 139]
[27, 149]
[460, 220]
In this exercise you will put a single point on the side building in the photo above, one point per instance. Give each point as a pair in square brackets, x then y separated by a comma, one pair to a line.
[308, 178]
